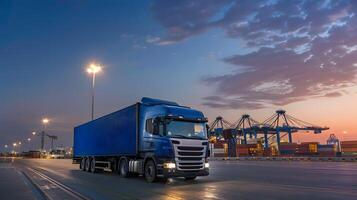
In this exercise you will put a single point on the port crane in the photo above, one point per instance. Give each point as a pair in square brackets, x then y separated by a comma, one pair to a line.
[277, 126]
[216, 127]
[282, 123]
[334, 141]
[52, 138]
[246, 125]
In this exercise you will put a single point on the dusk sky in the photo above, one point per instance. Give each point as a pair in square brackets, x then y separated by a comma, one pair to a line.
[223, 57]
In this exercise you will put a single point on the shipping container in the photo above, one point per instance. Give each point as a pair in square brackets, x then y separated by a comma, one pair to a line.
[349, 142]
[349, 149]
[113, 134]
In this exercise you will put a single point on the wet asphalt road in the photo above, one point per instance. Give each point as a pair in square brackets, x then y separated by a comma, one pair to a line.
[228, 180]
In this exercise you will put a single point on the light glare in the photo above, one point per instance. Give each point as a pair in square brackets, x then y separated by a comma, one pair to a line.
[94, 68]
[45, 120]
[169, 165]
[206, 165]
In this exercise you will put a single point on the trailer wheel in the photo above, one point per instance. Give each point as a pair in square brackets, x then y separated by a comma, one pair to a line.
[124, 168]
[82, 164]
[92, 165]
[87, 166]
[150, 171]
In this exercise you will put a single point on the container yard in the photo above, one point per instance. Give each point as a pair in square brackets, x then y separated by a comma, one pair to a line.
[249, 138]
[305, 149]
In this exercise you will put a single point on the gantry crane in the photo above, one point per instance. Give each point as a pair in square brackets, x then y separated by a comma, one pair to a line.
[217, 126]
[246, 125]
[281, 122]
[52, 137]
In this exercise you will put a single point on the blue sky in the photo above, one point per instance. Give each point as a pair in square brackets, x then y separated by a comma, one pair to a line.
[224, 57]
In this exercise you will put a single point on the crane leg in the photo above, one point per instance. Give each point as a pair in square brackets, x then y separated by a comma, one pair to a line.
[245, 138]
[266, 140]
[290, 137]
[278, 139]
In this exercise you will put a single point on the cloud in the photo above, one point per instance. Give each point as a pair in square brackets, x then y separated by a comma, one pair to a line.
[230, 103]
[185, 18]
[152, 39]
[333, 94]
[299, 50]
[158, 41]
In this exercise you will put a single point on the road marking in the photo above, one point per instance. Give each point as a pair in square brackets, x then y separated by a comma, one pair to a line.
[37, 190]
[66, 189]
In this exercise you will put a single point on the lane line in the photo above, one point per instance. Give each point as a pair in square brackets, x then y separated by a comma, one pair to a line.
[65, 188]
[36, 188]
[121, 194]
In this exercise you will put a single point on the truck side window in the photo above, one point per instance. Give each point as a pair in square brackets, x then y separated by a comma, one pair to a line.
[149, 126]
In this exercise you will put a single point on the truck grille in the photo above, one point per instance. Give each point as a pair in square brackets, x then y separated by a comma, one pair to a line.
[190, 157]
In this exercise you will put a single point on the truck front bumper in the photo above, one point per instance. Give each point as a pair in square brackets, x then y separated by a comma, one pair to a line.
[179, 173]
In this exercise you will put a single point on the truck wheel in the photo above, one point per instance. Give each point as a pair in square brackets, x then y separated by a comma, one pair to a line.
[123, 168]
[92, 165]
[150, 171]
[189, 178]
[82, 164]
[87, 166]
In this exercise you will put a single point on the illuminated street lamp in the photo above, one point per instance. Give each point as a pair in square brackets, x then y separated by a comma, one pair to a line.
[19, 143]
[6, 146]
[29, 139]
[14, 144]
[45, 121]
[33, 133]
[93, 69]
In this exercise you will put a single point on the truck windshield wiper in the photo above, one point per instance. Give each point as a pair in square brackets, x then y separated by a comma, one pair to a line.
[180, 136]
[197, 137]
[186, 137]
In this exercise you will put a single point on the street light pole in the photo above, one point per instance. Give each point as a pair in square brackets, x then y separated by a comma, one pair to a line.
[93, 84]
[45, 121]
[93, 69]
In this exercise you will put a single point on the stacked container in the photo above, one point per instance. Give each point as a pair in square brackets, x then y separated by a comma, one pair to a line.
[250, 150]
[349, 148]
[243, 149]
[307, 148]
[287, 149]
[220, 149]
[327, 150]
[271, 151]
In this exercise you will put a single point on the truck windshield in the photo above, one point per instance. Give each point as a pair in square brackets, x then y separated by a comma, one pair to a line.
[184, 129]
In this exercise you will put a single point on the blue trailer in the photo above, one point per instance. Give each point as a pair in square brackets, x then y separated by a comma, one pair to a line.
[154, 138]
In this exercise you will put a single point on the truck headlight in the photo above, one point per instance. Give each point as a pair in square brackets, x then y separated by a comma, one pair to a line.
[206, 165]
[169, 165]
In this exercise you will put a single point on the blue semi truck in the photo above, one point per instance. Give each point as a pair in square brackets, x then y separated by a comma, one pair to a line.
[153, 138]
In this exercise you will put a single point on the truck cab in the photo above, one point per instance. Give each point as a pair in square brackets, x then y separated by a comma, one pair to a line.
[175, 138]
